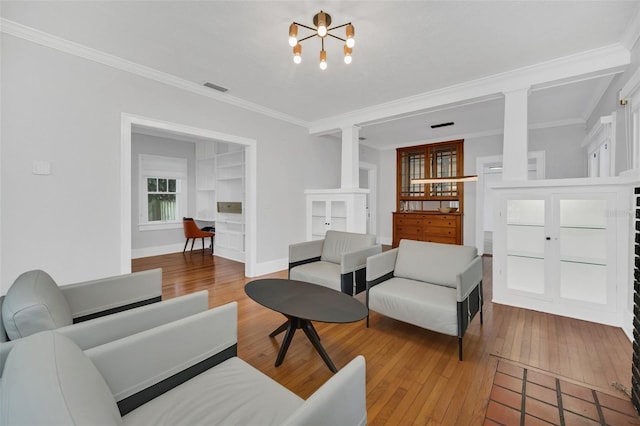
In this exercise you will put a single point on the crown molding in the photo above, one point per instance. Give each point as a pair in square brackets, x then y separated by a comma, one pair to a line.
[613, 57]
[632, 32]
[476, 135]
[45, 39]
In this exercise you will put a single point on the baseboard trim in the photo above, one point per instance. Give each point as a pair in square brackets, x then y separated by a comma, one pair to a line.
[270, 267]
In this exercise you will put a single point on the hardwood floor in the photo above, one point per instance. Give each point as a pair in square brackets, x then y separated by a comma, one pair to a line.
[413, 375]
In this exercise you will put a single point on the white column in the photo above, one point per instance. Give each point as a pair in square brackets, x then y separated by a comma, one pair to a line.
[350, 176]
[515, 144]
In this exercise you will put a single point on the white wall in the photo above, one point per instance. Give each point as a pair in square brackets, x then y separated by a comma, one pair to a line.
[564, 156]
[67, 110]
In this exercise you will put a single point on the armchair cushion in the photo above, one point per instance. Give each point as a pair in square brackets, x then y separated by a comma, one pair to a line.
[428, 306]
[34, 303]
[243, 396]
[336, 243]
[60, 386]
[433, 263]
[326, 274]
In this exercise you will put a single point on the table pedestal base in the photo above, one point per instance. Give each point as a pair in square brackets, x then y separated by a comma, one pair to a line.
[290, 327]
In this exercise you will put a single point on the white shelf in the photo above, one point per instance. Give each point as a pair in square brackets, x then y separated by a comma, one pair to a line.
[230, 231]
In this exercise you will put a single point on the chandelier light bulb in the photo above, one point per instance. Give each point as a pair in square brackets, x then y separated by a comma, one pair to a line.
[297, 53]
[323, 60]
[350, 30]
[293, 35]
[322, 24]
[347, 54]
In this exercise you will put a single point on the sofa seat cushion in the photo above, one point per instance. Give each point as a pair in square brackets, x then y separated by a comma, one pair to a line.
[34, 303]
[232, 392]
[326, 274]
[432, 262]
[429, 306]
[48, 380]
[336, 243]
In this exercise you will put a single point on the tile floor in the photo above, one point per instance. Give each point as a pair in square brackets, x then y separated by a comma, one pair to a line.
[521, 396]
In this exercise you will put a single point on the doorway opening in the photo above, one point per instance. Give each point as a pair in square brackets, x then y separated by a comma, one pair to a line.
[130, 124]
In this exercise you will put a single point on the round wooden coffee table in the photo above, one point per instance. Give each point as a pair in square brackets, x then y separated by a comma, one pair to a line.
[302, 303]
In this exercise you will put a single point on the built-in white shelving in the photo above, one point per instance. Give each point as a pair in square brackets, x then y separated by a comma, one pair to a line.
[205, 181]
[230, 222]
[339, 210]
[557, 249]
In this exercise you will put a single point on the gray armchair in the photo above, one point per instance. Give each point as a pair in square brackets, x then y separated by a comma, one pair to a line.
[338, 261]
[92, 312]
[186, 372]
[434, 286]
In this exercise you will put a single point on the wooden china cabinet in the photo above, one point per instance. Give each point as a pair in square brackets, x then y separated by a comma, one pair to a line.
[419, 207]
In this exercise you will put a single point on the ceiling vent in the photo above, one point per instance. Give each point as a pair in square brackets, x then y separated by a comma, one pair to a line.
[435, 126]
[216, 87]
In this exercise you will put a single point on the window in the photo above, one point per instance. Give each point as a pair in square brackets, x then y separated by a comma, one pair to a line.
[161, 199]
[163, 195]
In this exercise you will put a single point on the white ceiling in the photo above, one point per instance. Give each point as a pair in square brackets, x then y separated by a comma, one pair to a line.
[403, 48]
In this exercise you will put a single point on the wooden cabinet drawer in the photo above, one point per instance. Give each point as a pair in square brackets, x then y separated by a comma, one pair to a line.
[409, 232]
[411, 221]
[440, 231]
[448, 221]
[441, 240]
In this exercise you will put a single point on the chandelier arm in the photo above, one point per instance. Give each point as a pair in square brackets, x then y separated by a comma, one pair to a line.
[339, 38]
[305, 26]
[338, 26]
[308, 37]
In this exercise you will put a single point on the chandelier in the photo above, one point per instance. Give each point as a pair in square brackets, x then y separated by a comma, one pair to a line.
[322, 21]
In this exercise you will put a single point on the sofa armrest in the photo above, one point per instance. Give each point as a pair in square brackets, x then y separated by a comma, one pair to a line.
[468, 279]
[106, 329]
[339, 401]
[381, 264]
[303, 251]
[90, 297]
[357, 259]
[135, 363]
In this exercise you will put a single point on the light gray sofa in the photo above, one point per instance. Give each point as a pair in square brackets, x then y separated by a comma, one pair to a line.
[434, 286]
[182, 373]
[338, 261]
[128, 304]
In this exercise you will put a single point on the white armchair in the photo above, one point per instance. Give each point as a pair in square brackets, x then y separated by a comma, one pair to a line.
[338, 261]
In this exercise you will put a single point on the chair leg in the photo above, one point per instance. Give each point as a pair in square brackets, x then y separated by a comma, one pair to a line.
[460, 348]
[367, 320]
[193, 240]
[212, 244]
[202, 245]
[185, 245]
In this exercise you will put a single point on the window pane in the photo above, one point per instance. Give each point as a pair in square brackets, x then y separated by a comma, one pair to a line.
[161, 207]
[152, 184]
[162, 185]
[412, 164]
[172, 185]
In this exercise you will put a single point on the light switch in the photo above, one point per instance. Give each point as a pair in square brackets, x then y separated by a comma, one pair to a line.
[41, 168]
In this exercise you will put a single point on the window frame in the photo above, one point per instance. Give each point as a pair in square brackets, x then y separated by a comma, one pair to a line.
[161, 167]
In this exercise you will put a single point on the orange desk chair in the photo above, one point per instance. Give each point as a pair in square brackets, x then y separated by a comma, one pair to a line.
[191, 232]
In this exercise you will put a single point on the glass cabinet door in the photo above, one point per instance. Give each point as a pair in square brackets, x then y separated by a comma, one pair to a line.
[412, 166]
[583, 250]
[525, 249]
